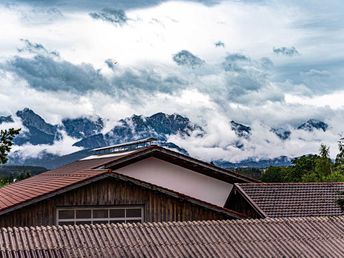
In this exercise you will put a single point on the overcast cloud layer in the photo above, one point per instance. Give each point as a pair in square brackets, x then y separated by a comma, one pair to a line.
[267, 64]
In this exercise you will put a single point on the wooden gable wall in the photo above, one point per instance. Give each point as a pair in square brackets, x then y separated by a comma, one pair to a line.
[158, 207]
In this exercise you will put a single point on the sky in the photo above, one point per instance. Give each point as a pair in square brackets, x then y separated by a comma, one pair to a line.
[266, 64]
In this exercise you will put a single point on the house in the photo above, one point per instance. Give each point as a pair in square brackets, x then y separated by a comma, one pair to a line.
[275, 200]
[135, 182]
[277, 237]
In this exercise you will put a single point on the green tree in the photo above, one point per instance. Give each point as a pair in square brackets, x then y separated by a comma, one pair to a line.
[323, 165]
[324, 151]
[310, 168]
[302, 166]
[340, 156]
[275, 174]
[6, 142]
[335, 176]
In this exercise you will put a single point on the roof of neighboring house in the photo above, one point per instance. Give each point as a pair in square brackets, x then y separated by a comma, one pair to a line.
[293, 199]
[287, 237]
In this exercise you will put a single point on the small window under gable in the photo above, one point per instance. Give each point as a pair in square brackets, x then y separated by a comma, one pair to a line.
[99, 215]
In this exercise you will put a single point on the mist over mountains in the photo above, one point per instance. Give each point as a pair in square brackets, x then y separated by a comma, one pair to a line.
[234, 98]
[86, 133]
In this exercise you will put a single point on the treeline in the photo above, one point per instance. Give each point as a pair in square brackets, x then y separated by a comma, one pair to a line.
[11, 174]
[5, 180]
[310, 168]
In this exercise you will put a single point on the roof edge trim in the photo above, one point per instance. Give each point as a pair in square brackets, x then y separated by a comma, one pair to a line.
[250, 201]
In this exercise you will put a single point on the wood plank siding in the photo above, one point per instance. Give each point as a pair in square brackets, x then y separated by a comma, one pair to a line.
[157, 206]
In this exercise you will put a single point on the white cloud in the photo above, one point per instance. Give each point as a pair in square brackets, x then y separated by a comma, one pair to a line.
[146, 80]
[154, 33]
[333, 100]
[60, 148]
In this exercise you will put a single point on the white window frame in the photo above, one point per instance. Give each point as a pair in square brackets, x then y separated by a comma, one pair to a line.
[125, 219]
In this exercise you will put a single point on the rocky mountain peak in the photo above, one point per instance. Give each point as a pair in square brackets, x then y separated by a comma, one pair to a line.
[313, 124]
[240, 129]
[186, 58]
[82, 127]
[282, 133]
[31, 119]
[6, 119]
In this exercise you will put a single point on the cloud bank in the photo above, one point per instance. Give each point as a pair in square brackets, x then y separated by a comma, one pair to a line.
[214, 62]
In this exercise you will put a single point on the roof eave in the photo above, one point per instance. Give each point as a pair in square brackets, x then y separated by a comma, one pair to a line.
[62, 190]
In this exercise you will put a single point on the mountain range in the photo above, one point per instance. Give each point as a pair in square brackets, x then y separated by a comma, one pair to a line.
[89, 133]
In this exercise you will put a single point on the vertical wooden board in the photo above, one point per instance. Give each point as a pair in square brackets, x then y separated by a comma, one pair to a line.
[110, 192]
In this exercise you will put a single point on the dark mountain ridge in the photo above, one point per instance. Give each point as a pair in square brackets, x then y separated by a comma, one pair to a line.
[6, 119]
[89, 133]
[159, 126]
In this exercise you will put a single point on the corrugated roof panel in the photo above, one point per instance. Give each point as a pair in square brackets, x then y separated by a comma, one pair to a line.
[287, 237]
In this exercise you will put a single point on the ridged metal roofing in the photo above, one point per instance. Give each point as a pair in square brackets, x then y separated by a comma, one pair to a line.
[294, 199]
[287, 237]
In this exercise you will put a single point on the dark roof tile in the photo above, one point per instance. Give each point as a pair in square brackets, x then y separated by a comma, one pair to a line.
[294, 199]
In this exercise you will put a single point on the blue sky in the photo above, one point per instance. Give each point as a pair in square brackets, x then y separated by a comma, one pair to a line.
[262, 63]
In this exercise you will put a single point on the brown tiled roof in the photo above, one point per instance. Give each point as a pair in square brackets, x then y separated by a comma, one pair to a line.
[42, 185]
[52, 181]
[293, 199]
[287, 237]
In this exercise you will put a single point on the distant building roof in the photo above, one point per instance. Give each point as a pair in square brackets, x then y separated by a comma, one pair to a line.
[293, 199]
[287, 237]
[127, 145]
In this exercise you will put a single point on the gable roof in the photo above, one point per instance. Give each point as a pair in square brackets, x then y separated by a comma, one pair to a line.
[30, 190]
[181, 160]
[122, 159]
[76, 174]
[293, 199]
[287, 237]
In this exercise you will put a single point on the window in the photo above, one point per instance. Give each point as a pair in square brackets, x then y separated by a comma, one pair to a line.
[95, 215]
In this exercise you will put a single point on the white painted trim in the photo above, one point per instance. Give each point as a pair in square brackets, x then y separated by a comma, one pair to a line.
[92, 208]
